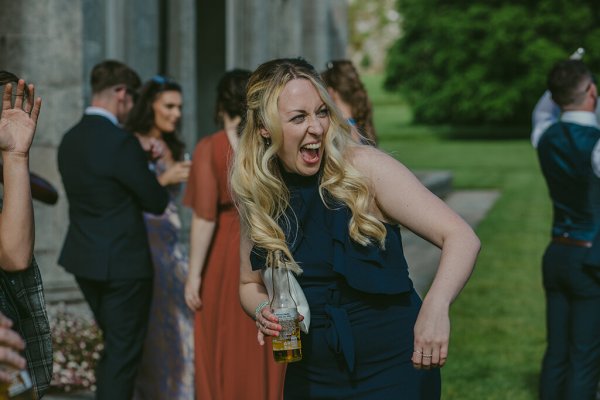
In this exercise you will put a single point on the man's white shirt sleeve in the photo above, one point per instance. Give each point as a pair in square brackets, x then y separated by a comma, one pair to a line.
[545, 113]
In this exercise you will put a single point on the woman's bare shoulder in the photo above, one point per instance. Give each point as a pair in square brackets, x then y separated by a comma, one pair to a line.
[368, 159]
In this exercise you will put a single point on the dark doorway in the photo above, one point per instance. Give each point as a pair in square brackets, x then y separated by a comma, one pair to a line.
[211, 60]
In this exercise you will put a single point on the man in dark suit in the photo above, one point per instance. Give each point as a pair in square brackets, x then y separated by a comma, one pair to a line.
[569, 155]
[108, 185]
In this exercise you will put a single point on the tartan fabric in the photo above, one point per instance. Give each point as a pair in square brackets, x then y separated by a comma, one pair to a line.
[22, 300]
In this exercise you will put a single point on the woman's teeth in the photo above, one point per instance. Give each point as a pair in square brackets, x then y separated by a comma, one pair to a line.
[313, 146]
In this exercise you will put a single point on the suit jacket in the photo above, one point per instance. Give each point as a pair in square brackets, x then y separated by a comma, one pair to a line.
[108, 185]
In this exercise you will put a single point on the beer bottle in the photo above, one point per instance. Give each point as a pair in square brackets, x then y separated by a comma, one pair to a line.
[287, 347]
[20, 388]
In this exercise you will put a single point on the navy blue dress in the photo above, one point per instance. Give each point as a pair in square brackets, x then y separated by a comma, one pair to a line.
[362, 303]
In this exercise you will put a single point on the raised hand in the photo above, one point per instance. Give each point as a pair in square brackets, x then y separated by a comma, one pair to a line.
[155, 149]
[18, 120]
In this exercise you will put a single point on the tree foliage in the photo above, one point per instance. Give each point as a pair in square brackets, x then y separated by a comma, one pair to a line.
[486, 61]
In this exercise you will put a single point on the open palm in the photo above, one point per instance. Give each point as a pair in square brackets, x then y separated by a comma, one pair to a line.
[18, 120]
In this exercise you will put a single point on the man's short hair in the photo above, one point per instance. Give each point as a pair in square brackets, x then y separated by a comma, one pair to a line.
[111, 73]
[566, 82]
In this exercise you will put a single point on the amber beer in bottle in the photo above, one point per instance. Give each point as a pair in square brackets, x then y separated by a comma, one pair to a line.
[287, 347]
[20, 388]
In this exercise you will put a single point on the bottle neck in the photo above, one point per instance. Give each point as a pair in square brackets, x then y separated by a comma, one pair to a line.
[282, 295]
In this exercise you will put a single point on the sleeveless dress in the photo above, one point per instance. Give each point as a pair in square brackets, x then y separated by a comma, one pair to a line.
[230, 364]
[167, 367]
[362, 303]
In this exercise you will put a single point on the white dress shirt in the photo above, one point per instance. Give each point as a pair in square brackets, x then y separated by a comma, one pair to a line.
[546, 113]
[103, 112]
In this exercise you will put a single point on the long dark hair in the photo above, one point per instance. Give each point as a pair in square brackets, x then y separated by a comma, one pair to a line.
[231, 95]
[141, 117]
[342, 77]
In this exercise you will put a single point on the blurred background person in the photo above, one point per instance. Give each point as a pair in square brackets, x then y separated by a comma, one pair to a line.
[229, 362]
[108, 185]
[350, 96]
[23, 320]
[167, 367]
[569, 156]
[546, 112]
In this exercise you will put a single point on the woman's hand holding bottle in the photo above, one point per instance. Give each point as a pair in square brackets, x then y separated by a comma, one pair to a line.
[178, 172]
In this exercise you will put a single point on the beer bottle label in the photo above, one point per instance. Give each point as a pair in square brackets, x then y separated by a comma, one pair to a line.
[21, 383]
[289, 336]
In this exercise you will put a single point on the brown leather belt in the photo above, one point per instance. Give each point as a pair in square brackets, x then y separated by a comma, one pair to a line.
[572, 242]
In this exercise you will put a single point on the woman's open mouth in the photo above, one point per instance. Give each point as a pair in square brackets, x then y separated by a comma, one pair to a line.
[311, 152]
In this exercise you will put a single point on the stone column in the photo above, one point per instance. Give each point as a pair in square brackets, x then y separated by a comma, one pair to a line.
[266, 29]
[182, 65]
[140, 39]
[181, 50]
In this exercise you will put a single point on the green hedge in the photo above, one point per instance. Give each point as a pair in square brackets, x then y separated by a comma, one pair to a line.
[485, 61]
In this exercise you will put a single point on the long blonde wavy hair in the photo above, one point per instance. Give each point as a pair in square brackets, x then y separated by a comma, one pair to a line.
[260, 193]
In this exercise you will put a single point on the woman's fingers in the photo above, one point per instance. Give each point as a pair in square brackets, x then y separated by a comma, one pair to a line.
[422, 359]
[267, 326]
[10, 344]
[20, 94]
[192, 297]
[193, 302]
[261, 338]
[35, 112]
[30, 98]
[184, 172]
[417, 359]
[10, 338]
[7, 97]
[426, 359]
[443, 355]
[270, 328]
[434, 357]
[5, 321]
[184, 169]
[434, 360]
[11, 358]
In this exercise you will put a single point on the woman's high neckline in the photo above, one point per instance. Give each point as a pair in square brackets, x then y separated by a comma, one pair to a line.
[295, 180]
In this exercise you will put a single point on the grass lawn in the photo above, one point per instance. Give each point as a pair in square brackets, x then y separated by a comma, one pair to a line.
[498, 330]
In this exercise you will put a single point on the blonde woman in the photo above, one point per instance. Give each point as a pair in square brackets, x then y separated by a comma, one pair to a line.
[332, 206]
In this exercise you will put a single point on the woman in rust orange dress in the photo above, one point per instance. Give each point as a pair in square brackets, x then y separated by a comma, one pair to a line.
[229, 362]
